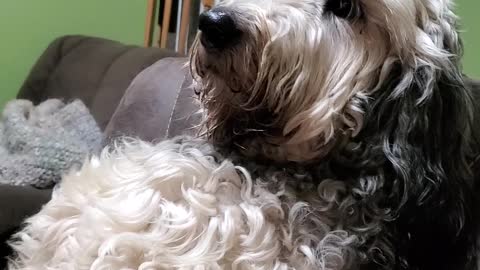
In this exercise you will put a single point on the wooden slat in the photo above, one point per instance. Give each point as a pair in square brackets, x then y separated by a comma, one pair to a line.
[167, 12]
[150, 22]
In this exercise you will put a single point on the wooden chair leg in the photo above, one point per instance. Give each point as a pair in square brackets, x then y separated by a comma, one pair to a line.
[193, 24]
[150, 22]
[184, 21]
[167, 12]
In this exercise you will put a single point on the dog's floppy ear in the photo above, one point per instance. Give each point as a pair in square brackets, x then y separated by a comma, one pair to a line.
[425, 110]
[424, 141]
[424, 115]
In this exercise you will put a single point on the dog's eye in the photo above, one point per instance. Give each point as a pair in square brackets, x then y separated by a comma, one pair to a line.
[347, 9]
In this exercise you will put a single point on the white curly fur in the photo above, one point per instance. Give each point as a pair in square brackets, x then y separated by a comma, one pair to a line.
[174, 206]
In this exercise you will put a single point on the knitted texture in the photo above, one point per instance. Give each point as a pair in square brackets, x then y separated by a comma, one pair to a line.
[38, 144]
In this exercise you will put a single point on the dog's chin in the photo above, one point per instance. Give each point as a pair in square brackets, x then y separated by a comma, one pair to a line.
[280, 151]
[268, 143]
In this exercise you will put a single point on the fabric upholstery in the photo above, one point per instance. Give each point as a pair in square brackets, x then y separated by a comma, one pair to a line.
[16, 204]
[159, 103]
[94, 70]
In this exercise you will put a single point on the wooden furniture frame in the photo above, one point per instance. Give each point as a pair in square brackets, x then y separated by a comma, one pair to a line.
[150, 22]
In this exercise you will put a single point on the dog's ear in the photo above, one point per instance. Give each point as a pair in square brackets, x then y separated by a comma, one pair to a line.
[424, 132]
[424, 109]
[421, 123]
[424, 142]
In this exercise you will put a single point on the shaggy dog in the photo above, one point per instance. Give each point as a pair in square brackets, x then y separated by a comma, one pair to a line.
[336, 135]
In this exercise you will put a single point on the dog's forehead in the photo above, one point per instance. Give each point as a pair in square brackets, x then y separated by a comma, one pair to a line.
[318, 3]
[374, 8]
[277, 9]
[274, 4]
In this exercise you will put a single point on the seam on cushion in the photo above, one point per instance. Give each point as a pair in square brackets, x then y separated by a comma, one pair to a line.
[76, 45]
[107, 69]
[174, 106]
[58, 57]
[61, 56]
[113, 61]
[144, 72]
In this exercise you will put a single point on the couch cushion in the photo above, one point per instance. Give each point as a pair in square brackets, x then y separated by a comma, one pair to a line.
[95, 70]
[158, 104]
[16, 204]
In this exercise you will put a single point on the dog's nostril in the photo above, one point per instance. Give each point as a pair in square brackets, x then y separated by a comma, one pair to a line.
[218, 29]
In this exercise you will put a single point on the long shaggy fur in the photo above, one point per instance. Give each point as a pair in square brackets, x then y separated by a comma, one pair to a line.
[337, 135]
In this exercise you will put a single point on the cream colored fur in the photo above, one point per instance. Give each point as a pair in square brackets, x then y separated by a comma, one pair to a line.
[173, 206]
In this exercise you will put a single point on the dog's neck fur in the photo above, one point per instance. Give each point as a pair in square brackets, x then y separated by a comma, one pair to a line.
[409, 206]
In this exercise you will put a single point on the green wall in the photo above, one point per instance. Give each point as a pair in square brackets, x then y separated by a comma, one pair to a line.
[28, 26]
[468, 10]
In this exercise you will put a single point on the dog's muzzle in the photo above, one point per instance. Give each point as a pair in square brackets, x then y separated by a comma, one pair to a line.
[218, 29]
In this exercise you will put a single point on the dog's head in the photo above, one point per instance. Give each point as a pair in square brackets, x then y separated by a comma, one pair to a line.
[287, 79]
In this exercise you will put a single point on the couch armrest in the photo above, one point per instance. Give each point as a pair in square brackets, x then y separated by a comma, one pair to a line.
[94, 70]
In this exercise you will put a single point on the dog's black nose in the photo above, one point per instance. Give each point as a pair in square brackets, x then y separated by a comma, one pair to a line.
[218, 28]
